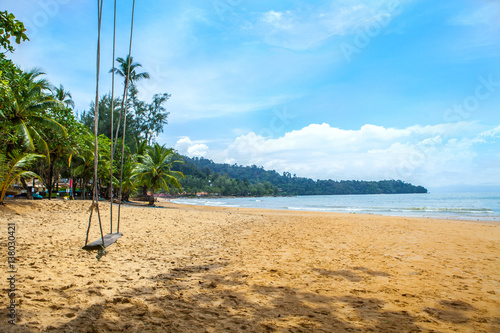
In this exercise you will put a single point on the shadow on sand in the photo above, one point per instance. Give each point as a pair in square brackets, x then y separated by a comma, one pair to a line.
[197, 299]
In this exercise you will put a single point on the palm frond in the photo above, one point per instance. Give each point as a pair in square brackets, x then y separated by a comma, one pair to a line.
[50, 123]
[13, 167]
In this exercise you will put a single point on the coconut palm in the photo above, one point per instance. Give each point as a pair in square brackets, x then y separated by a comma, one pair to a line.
[63, 96]
[26, 110]
[127, 70]
[13, 167]
[123, 69]
[155, 170]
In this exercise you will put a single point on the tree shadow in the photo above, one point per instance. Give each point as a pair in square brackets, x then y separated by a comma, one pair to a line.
[351, 275]
[198, 298]
[453, 311]
[370, 272]
[346, 274]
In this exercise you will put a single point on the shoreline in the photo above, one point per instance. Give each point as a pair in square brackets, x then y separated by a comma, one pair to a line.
[254, 210]
[493, 220]
[189, 268]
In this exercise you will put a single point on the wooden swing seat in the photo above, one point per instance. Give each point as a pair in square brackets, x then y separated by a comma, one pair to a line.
[108, 240]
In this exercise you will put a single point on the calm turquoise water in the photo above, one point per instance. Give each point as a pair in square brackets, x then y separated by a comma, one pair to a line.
[463, 206]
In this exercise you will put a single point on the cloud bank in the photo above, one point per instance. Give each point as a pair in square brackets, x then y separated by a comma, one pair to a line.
[440, 155]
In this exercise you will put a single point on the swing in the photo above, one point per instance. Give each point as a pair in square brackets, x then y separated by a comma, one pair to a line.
[106, 240]
[103, 242]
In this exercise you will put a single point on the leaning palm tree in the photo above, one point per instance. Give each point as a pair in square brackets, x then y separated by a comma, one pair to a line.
[26, 110]
[155, 170]
[14, 166]
[63, 96]
[127, 70]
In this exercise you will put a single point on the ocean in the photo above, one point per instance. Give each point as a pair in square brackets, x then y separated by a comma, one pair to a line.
[461, 206]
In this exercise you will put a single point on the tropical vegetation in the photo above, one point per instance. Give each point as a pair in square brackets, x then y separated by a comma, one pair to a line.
[204, 176]
[42, 138]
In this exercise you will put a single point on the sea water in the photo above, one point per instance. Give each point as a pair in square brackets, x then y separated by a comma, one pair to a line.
[462, 206]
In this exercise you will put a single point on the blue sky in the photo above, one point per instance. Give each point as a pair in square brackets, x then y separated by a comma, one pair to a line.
[324, 89]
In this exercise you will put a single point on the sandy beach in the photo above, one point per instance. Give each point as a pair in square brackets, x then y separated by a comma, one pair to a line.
[201, 269]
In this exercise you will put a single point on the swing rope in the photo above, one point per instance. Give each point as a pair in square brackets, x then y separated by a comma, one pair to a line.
[95, 196]
[124, 110]
[125, 92]
[100, 245]
[112, 125]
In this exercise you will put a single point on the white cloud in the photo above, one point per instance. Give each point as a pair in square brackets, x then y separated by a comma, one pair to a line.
[438, 155]
[187, 147]
[486, 14]
[482, 22]
[309, 26]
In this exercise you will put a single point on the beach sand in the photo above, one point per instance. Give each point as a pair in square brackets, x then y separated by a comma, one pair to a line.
[206, 269]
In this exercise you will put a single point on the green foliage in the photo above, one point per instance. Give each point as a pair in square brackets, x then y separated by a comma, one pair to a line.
[155, 170]
[203, 175]
[10, 77]
[104, 123]
[149, 118]
[128, 66]
[83, 161]
[127, 70]
[14, 166]
[129, 182]
[60, 147]
[144, 123]
[63, 96]
[10, 27]
[25, 107]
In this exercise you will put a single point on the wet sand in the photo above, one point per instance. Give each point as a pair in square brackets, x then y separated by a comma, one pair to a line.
[211, 269]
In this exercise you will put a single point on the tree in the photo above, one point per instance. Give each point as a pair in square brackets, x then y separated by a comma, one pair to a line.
[10, 27]
[25, 107]
[84, 160]
[13, 167]
[104, 123]
[150, 118]
[155, 170]
[63, 96]
[10, 76]
[127, 70]
[60, 147]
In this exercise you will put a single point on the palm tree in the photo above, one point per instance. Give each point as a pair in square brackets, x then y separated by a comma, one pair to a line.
[155, 170]
[123, 69]
[63, 96]
[25, 109]
[127, 70]
[13, 168]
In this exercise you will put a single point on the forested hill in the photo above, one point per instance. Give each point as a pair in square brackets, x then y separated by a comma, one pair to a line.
[203, 175]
